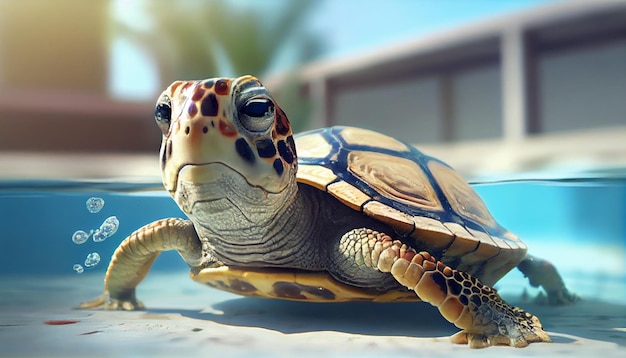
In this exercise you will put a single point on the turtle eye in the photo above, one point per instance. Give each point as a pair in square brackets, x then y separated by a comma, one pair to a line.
[257, 114]
[163, 116]
[258, 108]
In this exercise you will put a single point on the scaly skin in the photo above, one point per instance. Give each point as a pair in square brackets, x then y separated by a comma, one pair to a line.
[133, 258]
[229, 160]
[485, 319]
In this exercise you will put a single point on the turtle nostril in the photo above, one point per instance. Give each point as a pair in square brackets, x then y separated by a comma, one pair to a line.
[187, 129]
[205, 129]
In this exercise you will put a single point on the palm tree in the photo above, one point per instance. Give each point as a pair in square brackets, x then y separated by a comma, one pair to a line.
[199, 39]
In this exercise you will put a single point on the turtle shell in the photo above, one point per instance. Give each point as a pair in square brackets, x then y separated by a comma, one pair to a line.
[293, 285]
[419, 196]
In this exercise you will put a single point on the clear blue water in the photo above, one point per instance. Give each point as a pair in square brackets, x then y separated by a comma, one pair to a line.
[580, 225]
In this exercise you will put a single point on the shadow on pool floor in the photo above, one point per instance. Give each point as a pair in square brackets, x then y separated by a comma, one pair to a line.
[184, 318]
[586, 319]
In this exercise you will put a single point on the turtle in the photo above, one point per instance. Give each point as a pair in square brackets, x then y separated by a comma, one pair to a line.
[330, 215]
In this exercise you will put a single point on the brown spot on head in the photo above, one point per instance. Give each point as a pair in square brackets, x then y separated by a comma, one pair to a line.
[192, 109]
[282, 123]
[227, 129]
[175, 85]
[222, 86]
[198, 94]
[186, 85]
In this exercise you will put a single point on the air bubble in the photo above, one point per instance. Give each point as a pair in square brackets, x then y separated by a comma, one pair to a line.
[110, 225]
[92, 260]
[94, 204]
[80, 237]
[78, 268]
[98, 236]
[107, 229]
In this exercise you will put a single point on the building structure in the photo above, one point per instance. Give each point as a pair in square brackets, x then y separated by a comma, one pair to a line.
[519, 91]
[523, 91]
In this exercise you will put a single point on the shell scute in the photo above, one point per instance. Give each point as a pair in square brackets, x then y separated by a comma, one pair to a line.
[313, 146]
[460, 195]
[432, 232]
[463, 243]
[417, 195]
[394, 177]
[316, 176]
[348, 194]
[363, 137]
[403, 223]
[486, 250]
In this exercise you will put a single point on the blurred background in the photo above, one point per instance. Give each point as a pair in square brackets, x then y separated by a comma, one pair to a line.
[515, 89]
[492, 87]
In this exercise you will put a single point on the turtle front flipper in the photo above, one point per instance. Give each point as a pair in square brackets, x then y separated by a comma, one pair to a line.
[462, 299]
[134, 257]
[542, 273]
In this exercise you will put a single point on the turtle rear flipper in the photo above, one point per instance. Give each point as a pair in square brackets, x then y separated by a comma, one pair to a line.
[542, 273]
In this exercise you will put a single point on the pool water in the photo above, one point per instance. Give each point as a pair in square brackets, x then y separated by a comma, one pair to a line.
[578, 224]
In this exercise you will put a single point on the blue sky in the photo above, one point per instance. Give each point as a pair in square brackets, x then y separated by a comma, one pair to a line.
[350, 27]
[358, 25]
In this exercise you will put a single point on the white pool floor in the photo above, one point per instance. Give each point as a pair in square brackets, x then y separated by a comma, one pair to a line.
[186, 319]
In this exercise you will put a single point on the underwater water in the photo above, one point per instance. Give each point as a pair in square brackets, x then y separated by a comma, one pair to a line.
[57, 238]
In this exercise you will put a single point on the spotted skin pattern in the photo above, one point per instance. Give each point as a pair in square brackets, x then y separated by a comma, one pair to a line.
[265, 222]
[209, 102]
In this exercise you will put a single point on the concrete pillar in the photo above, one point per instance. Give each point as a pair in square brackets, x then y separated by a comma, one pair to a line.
[321, 106]
[513, 84]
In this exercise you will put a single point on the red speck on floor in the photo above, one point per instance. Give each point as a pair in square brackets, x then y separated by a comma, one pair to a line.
[59, 322]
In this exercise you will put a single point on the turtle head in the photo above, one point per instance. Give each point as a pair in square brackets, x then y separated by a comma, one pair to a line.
[224, 132]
